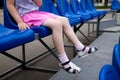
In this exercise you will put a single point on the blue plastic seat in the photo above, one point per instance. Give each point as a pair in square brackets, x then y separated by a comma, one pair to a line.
[49, 6]
[85, 6]
[115, 5]
[92, 8]
[108, 72]
[77, 9]
[10, 23]
[10, 38]
[65, 10]
[116, 58]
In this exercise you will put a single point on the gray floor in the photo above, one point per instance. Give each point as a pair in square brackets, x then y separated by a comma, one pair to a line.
[91, 64]
[49, 61]
[33, 49]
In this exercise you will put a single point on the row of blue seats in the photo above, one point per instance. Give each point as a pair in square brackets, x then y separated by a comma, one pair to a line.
[11, 37]
[87, 12]
[77, 11]
[112, 72]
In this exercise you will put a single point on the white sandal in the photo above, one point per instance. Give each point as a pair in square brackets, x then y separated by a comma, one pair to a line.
[83, 51]
[73, 69]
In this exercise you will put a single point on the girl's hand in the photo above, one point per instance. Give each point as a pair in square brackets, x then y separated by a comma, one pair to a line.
[38, 2]
[23, 26]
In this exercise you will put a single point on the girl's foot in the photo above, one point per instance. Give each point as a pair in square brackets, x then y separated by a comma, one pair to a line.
[86, 50]
[71, 67]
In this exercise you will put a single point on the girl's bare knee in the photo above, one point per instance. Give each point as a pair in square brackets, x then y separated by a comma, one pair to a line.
[57, 25]
[53, 24]
[63, 19]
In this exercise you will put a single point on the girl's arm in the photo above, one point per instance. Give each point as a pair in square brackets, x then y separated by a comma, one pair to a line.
[38, 2]
[12, 10]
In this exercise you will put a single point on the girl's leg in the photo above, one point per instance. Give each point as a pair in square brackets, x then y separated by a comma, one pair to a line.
[69, 31]
[57, 30]
[73, 38]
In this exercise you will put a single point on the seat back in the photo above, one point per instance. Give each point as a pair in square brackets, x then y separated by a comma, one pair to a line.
[64, 7]
[115, 5]
[76, 7]
[8, 20]
[91, 5]
[49, 6]
[84, 5]
[10, 23]
[93, 9]
[11, 38]
[116, 58]
[108, 72]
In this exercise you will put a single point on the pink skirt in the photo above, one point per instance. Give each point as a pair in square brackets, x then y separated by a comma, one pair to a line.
[37, 18]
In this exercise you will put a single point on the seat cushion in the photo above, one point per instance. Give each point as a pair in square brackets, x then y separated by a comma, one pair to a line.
[10, 38]
[102, 12]
[42, 31]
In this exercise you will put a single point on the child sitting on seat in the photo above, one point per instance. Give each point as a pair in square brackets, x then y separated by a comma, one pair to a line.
[26, 13]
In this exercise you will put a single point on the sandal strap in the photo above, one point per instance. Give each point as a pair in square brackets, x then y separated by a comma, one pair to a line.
[78, 50]
[84, 48]
[95, 48]
[68, 70]
[63, 64]
[90, 50]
